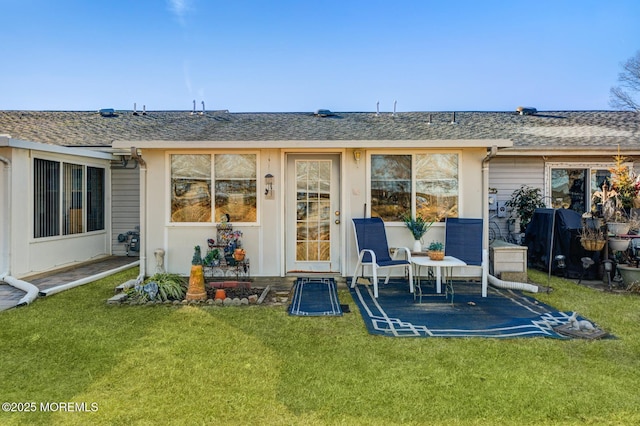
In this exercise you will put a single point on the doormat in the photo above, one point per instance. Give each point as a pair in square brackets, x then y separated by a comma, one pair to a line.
[504, 313]
[315, 297]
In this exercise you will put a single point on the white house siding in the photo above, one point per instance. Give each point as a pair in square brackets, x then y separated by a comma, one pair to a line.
[507, 174]
[264, 241]
[125, 204]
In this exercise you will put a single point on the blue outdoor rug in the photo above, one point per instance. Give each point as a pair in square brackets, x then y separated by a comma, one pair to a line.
[503, 314]
[315, 297]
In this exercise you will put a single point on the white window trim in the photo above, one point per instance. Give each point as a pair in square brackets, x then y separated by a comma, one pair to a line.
[412, 153]
[259, 188]
[573, 165]
[85, 162]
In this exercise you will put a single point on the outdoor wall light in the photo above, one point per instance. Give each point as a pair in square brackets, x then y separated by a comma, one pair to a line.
[268, 185]
[561, 261]
[357, 154]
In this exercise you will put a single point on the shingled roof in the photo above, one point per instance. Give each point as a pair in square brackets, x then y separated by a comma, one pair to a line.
[543, 130]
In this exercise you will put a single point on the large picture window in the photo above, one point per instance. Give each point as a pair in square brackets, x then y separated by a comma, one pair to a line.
[67, 198]
[234, 187]
[410, 184]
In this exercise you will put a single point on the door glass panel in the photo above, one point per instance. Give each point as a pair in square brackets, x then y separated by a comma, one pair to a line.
[313, 183]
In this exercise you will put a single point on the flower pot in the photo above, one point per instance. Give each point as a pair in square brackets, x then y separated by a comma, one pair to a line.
[238, 255]
[220, 294]
[417, 246]
[436, 255]
[618, 228]
[629, 274]
[618, 244]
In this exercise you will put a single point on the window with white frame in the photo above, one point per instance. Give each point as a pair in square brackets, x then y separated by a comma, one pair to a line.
[194, 198]
[68, 198]
[410, 184]
[571, 186]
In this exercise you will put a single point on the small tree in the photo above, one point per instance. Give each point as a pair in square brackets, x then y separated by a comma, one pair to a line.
[523, 203]
[625, 96]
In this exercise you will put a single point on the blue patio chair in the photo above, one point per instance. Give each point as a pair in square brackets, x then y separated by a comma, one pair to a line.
[463, 240]
[373, 250]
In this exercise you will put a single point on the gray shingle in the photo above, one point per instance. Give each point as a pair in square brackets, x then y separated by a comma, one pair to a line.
[544, 130]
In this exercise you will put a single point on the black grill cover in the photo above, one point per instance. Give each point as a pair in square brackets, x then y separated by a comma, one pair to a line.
[566, 241]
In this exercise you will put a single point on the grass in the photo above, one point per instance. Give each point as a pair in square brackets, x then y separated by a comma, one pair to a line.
[212, 365]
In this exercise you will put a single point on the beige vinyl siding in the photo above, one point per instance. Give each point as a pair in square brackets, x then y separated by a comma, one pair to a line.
[125, 206]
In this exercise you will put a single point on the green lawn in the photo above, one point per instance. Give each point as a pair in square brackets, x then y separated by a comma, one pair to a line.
[257, 365]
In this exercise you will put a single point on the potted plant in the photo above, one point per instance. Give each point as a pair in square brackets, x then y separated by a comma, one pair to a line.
[436, 250]
[161, 287]
[196, 289]
[418, 226]
[523, 203]
[212, 258]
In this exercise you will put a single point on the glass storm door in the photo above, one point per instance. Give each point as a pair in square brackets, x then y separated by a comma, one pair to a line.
[313, 213]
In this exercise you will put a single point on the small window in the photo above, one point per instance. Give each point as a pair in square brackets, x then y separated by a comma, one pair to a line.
[572, 187]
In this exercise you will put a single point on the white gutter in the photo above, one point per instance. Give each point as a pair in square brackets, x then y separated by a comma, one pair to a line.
[143, 213]
[76, 283]
[30, 289]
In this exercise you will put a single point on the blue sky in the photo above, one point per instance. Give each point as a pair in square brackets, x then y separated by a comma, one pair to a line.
[343, 55]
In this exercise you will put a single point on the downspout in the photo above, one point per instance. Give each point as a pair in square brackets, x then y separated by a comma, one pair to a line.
[485, 193]
[30, 289]
[485, 217]
[143, 213]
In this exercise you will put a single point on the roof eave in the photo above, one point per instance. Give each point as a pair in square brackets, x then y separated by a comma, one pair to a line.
[316, 144]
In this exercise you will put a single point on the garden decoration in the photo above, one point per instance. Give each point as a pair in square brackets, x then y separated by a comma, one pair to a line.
[196, 289]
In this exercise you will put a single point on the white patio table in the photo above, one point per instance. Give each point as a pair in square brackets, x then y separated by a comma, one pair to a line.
[448, 263]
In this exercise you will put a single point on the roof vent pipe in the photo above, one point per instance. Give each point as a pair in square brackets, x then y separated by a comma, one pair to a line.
[144, 110]
[378, 108]
[395, 103]
[193, 111]
[202, 113]
[453, 118]
[134, 109]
